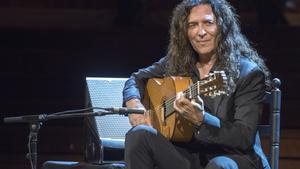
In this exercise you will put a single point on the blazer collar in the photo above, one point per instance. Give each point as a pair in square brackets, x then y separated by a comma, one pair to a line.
[217, 103]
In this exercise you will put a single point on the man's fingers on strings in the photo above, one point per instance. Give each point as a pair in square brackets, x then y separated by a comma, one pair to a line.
[178, 95]
[175, 103]
[197, 106]
[188, 108]
[178, 106]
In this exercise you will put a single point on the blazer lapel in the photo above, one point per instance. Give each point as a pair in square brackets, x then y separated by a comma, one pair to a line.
[217, 103]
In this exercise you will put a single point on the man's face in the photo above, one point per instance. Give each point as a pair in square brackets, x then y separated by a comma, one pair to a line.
[202, 29]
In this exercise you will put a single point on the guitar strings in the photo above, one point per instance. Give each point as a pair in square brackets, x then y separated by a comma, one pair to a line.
[169, 102]
[193, 89]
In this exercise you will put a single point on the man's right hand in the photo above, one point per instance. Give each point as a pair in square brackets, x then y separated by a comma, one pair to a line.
[137, 119]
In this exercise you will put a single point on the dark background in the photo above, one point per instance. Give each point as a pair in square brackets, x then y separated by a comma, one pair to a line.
[48, 47]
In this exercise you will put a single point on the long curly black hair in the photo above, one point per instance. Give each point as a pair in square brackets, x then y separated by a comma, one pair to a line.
[231, 43]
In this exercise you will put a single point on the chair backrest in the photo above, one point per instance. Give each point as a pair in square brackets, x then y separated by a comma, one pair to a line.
[105, 132]
[272, 130]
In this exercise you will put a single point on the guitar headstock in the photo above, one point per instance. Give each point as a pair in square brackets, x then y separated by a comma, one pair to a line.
[213, 85]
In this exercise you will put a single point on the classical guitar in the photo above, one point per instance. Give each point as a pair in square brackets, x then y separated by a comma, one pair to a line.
[160, 95]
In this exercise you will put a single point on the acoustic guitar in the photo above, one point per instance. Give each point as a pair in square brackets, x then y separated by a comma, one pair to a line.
[161, 93]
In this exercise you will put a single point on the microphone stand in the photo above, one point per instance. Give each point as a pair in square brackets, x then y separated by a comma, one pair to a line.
[35, 123]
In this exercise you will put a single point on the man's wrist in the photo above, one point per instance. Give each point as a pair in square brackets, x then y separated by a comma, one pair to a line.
[134, 103]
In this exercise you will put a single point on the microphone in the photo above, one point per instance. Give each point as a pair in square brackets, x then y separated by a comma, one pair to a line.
[125, 111]
[25, 119]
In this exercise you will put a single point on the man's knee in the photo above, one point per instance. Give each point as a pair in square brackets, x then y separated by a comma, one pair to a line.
[141, 131]
[221, 162]
[144, 128]
[138, 137]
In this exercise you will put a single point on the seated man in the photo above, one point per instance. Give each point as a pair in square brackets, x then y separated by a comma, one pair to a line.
[204, 37]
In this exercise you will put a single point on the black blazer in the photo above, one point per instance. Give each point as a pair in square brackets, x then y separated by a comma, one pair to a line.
[238, 113]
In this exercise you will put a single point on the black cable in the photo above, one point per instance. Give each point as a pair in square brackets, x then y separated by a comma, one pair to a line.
[77, 110]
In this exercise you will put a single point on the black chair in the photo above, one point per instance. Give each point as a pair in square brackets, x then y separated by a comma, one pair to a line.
[272, 129]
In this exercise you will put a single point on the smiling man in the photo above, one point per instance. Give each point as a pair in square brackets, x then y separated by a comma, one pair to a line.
[204, 38]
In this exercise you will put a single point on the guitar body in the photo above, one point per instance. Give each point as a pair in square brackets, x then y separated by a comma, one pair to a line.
[157, 98]
[161, 93]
